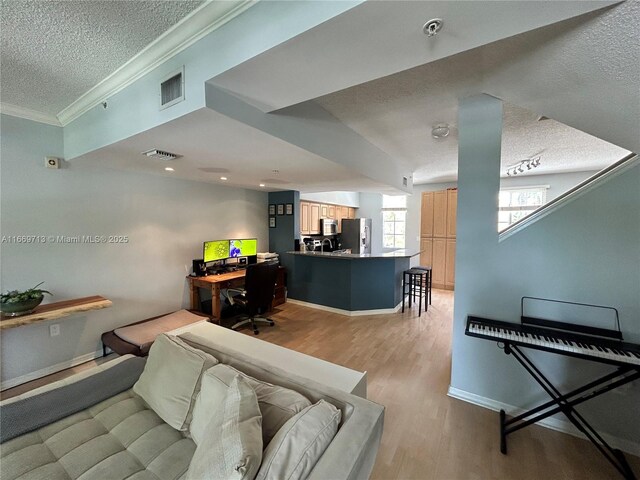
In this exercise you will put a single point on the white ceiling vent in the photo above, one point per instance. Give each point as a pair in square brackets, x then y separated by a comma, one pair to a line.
[161, 154]
[172, 89]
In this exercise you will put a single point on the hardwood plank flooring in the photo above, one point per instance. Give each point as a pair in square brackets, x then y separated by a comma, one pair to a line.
[427, 435]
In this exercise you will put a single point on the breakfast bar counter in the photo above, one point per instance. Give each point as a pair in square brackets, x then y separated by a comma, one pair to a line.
[353, 284]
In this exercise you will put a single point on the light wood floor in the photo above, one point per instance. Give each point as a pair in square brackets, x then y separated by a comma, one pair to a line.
[427, 435]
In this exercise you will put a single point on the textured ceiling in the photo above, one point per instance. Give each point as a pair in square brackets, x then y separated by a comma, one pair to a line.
[396, 112]
[52, 52]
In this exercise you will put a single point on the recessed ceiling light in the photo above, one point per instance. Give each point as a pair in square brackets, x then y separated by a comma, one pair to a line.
[168, 169]
[262, 184]
[223, 178]
[441, 130]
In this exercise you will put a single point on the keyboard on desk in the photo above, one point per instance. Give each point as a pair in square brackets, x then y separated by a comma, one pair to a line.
[563, 342]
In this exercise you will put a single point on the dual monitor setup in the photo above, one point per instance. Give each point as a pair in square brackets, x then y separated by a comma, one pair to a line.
[243, 250]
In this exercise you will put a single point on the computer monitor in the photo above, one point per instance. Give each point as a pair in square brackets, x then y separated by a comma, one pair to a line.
[243, 247]
[215, 250]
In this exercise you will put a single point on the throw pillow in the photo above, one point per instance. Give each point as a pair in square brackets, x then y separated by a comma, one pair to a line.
[277, 404]
[299, 444]
[170, 381]
[231, 446]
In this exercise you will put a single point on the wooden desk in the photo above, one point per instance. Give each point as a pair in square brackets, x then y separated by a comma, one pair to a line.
[230, 280]
[215, 283]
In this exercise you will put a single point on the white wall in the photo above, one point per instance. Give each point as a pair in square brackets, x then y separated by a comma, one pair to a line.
[351, 199]
[165, 219]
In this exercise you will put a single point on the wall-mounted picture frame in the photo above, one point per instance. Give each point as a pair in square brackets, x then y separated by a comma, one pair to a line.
[281, 209]
[289, 208]
[272, 209]
[272, 222]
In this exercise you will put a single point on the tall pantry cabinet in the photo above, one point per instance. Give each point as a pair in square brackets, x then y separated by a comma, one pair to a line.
[438, 236]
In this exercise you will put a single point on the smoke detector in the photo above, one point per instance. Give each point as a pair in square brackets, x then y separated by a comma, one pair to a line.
[161, 154]
[432, 27]
[441, 130]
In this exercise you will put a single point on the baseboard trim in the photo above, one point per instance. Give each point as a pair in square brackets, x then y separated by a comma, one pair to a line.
[553, 423]
[348, 313]
[43, 372]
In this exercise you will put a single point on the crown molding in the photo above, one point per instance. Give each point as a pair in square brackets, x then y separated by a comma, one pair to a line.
[199, 23]
[21, 112]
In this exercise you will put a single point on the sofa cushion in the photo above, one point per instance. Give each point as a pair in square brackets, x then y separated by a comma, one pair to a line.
[170, 381]
[144, 333]
[299, 444]
[277, 404]
[231, 445]
[118, 438]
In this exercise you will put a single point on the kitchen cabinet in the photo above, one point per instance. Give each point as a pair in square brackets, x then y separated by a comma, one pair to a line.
[426, 218]
[324, 211]
[450, 263]
[440, 214]
[314, 218]
[311, 213]
[304, 218]
[438, 264]
[426, 251]
[438, 236]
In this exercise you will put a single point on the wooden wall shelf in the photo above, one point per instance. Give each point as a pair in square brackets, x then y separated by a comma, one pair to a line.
[51, 311]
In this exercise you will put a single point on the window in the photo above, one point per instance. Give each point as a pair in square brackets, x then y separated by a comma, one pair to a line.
[394, 220]
[517, 203]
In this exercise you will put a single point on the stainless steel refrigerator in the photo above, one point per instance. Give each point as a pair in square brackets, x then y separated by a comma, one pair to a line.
[356, 234]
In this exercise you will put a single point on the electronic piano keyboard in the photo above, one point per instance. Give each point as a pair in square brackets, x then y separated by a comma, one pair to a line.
[562, 341]
[580, 341]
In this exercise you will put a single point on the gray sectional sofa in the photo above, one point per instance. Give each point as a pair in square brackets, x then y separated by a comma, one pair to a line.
[93, 426]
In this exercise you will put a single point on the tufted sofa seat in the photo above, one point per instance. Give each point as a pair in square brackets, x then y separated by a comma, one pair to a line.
[116, 439]
[135, 418]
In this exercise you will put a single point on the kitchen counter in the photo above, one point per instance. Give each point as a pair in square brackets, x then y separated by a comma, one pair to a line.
[350, 256]
[371, 285]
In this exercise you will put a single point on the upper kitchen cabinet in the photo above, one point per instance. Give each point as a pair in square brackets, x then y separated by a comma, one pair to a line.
[311, 213]
[314, 218]
[304, 218]
[438, 235]
[440, 214]
[426, 220]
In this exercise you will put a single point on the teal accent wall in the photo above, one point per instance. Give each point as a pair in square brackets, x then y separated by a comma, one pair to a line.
[281, 238]
[347, 284]
[588, 251]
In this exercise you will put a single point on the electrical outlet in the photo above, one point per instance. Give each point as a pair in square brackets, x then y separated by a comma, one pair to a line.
[54, 330]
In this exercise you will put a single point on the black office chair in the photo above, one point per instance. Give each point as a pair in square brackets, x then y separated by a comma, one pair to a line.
[257, 295]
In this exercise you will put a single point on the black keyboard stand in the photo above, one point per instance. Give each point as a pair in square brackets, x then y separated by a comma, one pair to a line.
[565, 403]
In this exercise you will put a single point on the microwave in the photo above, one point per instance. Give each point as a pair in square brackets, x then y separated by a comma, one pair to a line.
[328, 226]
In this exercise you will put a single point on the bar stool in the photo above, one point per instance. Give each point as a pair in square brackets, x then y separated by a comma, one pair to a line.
[417, 282]
[429, 280]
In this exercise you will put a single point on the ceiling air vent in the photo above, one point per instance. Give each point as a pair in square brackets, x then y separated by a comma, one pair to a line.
[172, 89]
[161, 154]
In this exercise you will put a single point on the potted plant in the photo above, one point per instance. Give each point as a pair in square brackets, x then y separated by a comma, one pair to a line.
[15, 303]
